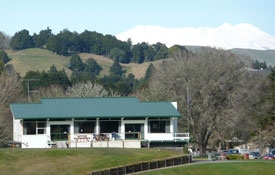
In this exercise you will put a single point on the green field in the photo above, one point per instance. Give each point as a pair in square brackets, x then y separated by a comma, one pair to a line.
[82, 161]
[221, 168]
[72, 161]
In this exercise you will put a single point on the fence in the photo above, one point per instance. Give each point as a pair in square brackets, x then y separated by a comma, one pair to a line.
[143, 166]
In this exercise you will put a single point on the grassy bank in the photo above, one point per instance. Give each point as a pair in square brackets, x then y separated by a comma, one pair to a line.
[72, 161]
[218, 168]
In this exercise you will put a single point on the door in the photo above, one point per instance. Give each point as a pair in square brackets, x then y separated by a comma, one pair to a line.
[134, 131]
[60, 132]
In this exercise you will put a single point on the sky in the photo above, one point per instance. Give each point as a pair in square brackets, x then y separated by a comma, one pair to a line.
[117, 16]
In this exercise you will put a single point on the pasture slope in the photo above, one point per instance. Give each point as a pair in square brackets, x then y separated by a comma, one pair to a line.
[41, 60]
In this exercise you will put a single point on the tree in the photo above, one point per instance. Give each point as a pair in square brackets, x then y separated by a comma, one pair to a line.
[92, 67]
[2, 65]
[81, 76]
[136, 54]
[118, 55]
[145, 80]
[10, 85]
[76, 63]
[87, 89]
[116, 69]
[46, 79]
[5, 128]
[161, 51]
[52, 91]
[4, 41]
[21, 40]
[220, 92]
[58, 78]
[64, 42]
[149, 53]
[42, 38]
[4, 57]
[178, 52]
[259, 65]
[265, 112]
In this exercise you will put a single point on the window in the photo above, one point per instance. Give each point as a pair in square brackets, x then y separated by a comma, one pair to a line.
[134, 130]
[60, 132]
[84, 127]
[159, 126]
[109, 126]
[41, 127]
[29, 127]
[34, 127]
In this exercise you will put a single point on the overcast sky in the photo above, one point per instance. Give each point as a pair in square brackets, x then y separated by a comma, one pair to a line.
[117, 16]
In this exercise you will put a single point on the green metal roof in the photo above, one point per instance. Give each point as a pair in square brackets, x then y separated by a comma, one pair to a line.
[99, 107]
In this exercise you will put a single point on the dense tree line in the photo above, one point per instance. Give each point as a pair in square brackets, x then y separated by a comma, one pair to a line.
[259, 65]
[46, 79]
[117, 82]
[67, 43]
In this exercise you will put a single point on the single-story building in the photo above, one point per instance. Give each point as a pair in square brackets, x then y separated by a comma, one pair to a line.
[96, 122]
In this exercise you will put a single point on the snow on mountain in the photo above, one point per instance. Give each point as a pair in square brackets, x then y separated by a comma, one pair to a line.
[226, 36]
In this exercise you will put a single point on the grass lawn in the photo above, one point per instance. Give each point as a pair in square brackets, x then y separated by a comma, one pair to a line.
[72, 161]
[221, 168]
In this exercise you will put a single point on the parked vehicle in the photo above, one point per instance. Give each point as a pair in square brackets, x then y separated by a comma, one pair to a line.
[272, 151]
[233, 151]
[244, 151]
[254, 155]
[268, 156]
[223, 152]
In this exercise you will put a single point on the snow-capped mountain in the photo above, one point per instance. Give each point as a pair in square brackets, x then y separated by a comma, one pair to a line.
[225, 36]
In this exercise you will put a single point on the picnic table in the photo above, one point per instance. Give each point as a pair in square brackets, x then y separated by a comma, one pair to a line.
[221, 158]
[82, 138]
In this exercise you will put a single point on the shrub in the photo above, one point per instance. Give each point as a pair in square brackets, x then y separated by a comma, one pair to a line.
[235, 157]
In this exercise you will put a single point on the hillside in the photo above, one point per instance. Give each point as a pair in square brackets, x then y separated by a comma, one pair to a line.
[36, 60]
[261, 55]
[40, 59]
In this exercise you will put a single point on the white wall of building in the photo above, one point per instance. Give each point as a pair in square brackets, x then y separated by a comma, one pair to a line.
[35, 141]
[44, 140]
[17, 130]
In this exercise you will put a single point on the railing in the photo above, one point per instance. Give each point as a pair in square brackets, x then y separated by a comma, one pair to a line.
[181, 136]
[167, 136]
[135, 136]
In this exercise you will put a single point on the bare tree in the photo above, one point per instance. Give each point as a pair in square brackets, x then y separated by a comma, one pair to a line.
[220, 92]
[4, 41]
[5, 125]
[87, 89]
[52, 91]
[10, 84]
[9, 87]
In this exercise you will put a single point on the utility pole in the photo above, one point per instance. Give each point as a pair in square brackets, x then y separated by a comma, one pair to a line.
[28, 87]
[188, 119]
